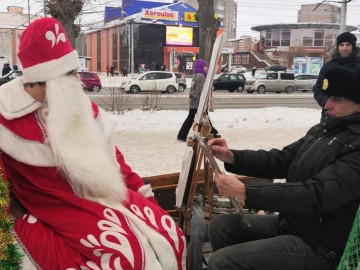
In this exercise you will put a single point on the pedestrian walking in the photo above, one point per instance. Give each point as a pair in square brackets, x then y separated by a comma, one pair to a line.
[197, 85]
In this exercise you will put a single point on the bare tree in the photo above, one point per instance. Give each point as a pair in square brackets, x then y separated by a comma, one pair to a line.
[66, 11]
[208, 26]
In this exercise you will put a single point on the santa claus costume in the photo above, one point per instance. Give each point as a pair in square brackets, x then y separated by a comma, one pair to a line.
[86, 208]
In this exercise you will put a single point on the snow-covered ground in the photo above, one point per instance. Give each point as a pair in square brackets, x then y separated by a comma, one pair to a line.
[148, 139]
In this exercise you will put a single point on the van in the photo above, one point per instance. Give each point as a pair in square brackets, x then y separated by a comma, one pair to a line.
[272, 82]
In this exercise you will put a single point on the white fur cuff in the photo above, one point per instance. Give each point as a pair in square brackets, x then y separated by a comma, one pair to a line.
[146, 191]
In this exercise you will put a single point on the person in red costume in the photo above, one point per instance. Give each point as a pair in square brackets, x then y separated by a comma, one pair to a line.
[78, 204]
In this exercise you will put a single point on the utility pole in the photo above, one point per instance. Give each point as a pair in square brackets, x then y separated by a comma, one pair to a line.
[343, 15]
[29, 10]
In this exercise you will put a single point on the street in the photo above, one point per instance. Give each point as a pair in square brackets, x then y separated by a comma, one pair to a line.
[109, 98]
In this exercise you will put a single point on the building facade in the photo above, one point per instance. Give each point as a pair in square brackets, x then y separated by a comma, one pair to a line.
[324, 13]
[279, 44]
[12, 24]
[151, 38]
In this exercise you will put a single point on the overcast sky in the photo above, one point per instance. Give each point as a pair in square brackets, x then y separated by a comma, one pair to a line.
[250, 13]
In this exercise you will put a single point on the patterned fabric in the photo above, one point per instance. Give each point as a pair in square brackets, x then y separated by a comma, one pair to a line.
[65, 231]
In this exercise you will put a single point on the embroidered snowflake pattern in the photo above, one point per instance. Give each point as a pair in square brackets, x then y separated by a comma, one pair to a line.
[111, 228]
[55, 37]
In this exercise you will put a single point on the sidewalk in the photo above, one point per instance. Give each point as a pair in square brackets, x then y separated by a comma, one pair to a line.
[115, 81]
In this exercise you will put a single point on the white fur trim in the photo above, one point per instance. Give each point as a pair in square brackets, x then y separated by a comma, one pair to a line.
[52, 69]
[15, 101]
[146, 191]
[26, 263]
[28, 152]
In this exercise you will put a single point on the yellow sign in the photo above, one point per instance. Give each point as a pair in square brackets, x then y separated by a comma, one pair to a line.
[182, 36]
[190, 17]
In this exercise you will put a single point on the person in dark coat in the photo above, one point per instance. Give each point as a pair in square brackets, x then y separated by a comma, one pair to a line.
[253, 71]
[112, 69]
[124, 72]
[6, 69]
[346, 52]
[197, 85]
[318, 202]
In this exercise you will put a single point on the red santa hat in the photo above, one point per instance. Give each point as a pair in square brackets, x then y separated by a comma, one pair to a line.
[45, 51]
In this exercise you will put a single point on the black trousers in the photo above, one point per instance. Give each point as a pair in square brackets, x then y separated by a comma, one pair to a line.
[186, 126]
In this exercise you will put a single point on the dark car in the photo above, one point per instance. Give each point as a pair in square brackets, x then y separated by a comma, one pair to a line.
[230, 82]
[90, 80]
[10, 76]
[181, 80]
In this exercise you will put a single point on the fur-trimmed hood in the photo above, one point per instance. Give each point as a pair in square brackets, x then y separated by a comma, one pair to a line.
[355, 55]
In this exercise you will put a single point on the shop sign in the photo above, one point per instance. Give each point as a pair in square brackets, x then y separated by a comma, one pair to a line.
[320, 50]
[190, 17]
[160, 14]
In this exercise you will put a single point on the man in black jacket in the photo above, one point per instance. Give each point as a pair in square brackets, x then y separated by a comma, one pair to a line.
[317, 203]
[346, 52]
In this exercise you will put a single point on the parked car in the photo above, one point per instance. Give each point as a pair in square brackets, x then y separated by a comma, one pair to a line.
[305, 82]
[181, 80]
[90, 80]
[272, 82]
[230, 82]
[238, 69]
[276, 68]
[152, 81]
[10, 76]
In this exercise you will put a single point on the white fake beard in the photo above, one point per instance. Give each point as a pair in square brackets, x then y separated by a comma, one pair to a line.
[80, 148]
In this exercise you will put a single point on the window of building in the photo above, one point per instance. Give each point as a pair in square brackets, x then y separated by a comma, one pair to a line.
[295, 40]
[115, 37]
[319, 38]
[276, 38]
[98, 50]
[124, 46]
[268, 38]
[245, 59]
[237, 58]
[285, 37]
[330, 36]
[307, 37]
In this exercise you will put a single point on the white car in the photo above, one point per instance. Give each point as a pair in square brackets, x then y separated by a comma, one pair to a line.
[151, 81]
[238, 69]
